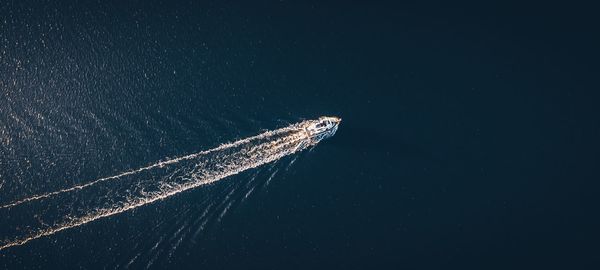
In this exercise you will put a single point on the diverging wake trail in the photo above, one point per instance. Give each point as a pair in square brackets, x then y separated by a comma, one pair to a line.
[45, 214]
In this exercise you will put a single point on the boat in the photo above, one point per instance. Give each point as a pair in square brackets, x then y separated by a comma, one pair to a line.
[323, 128]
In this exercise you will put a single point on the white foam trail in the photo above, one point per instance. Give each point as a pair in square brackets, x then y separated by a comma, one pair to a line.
[159, 164]
[210, 166]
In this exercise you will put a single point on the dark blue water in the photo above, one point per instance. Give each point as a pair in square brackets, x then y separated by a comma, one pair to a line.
[469, 133]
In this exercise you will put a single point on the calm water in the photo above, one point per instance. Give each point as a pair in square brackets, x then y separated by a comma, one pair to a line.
[465, 141]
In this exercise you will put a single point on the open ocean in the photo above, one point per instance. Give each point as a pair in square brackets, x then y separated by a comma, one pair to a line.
[469, 133]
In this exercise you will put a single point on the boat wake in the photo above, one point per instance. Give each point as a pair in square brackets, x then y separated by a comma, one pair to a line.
[56, 211]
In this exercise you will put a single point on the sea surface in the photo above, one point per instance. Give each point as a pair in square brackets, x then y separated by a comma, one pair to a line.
[468, 137]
